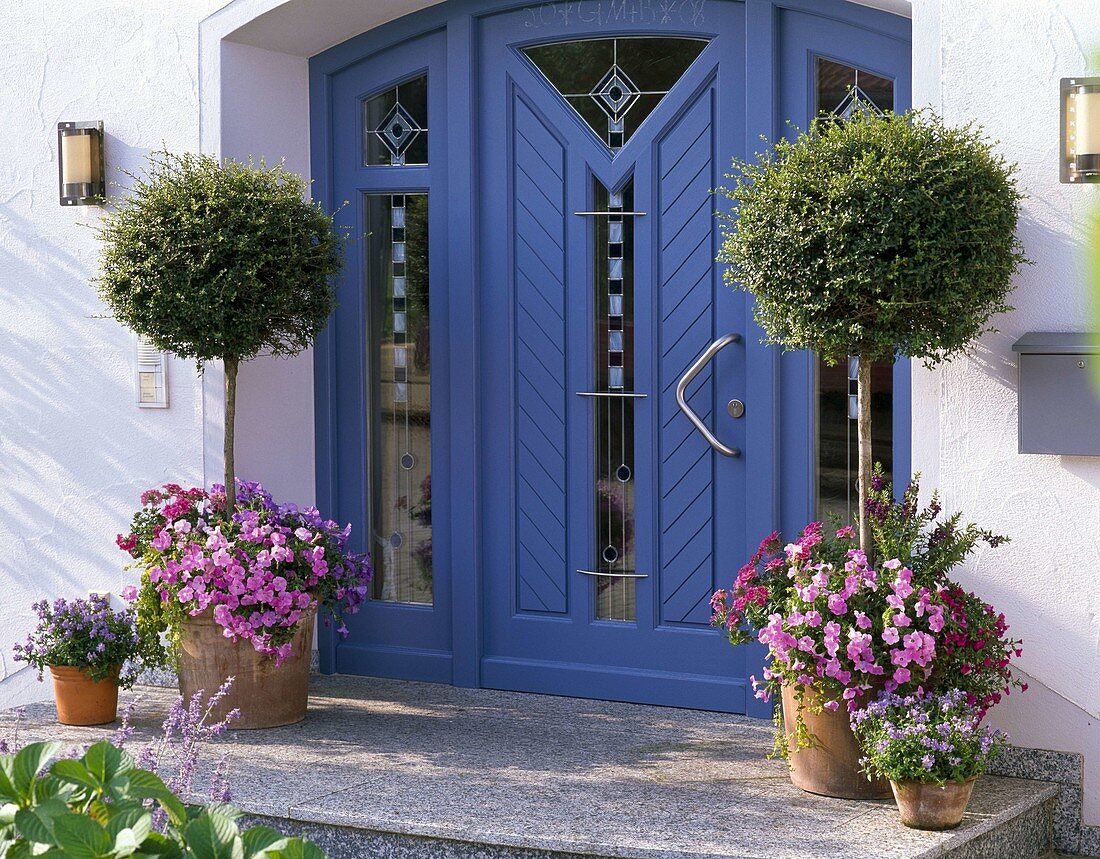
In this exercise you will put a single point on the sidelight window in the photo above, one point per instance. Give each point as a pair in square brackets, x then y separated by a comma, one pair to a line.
[399, 396]
[840, 90]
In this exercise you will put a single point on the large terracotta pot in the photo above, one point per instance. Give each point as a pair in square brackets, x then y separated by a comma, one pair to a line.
[267, 696]
[932, 806]
[831, 766]
[82, 700]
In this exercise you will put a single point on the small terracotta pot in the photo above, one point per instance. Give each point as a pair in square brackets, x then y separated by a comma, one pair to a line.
[82, 700]
[927, 805]
[267, 696]
[831, 766]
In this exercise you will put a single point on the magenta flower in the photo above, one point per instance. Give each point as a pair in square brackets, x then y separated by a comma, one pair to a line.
[257, 571]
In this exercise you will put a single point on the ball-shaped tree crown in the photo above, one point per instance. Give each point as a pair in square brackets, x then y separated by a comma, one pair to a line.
[219, 260]
[880, 236]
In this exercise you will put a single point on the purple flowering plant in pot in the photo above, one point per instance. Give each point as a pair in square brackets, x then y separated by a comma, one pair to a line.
[932, 749]
[840, 628]
[90, 649]
[235, 593]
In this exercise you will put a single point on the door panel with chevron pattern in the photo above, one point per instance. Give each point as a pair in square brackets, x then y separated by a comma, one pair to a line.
[610, 519]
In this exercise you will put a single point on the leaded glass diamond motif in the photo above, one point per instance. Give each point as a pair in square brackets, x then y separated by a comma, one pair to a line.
[395, 125]
[842, 89]
[616, 93]
[397, 131]
[614, 84]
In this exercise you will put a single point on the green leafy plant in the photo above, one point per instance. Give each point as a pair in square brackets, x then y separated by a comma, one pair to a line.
[929, 545]
[882, 236]
[101, 806]
[219, 260]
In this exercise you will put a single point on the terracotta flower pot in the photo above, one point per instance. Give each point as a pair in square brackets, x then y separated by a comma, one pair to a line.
[267, 696]
[830, 767]
[82, 700]
[927, 805]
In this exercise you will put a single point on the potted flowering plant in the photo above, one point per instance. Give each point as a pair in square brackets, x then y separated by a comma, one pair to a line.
[931, 748]
[839, 630]
[237, 592]
[85, 644]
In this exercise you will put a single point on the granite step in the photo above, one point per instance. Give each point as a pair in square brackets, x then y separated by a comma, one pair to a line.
[385, 768]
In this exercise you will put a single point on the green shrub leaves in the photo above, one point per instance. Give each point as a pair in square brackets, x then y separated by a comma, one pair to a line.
[879, 236]
[215, 260]
[103, 807]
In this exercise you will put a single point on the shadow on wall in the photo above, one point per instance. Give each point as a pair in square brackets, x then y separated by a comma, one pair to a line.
[75, 451]
[1044, 503]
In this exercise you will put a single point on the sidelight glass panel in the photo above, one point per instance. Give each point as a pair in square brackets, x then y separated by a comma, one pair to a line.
[399, 396]
[839, 90]
[614, 84]
[614, 424]
[395, 125]
[837, 441]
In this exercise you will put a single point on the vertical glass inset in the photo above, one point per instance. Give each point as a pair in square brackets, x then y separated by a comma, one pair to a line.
[614, 427]
[399, 396]
[840, 89]
[395, 125]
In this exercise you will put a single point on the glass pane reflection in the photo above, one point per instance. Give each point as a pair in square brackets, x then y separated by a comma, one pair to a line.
[399, 366]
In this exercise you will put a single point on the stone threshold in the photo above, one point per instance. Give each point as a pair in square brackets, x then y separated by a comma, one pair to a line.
[390, 768]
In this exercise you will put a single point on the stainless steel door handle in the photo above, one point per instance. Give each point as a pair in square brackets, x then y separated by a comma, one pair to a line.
[681, 387]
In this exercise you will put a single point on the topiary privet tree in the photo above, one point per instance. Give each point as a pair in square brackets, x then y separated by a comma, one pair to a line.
[220, 261]
[881, 236]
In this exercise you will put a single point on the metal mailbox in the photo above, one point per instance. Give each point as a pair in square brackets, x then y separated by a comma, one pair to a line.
[1059, 399]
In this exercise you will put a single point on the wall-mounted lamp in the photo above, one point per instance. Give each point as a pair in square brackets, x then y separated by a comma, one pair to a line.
[1080, 151]
[80, 174]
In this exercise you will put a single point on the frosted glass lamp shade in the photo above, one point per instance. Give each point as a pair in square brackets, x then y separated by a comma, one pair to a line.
[1080, 134]
[80, 174]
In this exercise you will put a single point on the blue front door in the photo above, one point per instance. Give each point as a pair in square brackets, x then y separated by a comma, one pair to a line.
[555, 423]
[611, 513]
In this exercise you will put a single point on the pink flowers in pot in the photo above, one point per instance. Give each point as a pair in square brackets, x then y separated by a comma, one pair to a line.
[830, 620]
[260, 571]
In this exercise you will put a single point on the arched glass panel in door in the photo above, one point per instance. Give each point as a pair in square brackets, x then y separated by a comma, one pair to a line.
[614, 84]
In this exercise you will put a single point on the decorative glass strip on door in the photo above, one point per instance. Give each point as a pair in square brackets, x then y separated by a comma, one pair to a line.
[614, 84]
[841, 89]
[614, 412]
[395, 125]
[399, 396]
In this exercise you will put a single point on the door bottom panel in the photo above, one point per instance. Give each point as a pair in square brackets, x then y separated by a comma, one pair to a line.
[636, 686]
[397, 663]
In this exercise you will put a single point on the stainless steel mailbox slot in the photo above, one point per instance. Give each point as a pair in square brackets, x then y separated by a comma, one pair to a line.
[1058, 397]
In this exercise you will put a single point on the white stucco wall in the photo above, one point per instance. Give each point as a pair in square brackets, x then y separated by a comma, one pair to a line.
[75, 451]
[999, 62]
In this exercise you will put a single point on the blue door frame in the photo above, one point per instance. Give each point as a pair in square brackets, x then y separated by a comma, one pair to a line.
[778, 41]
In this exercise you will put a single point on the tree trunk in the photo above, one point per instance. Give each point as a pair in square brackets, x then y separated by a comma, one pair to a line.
[230, 416]
[863, 429]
